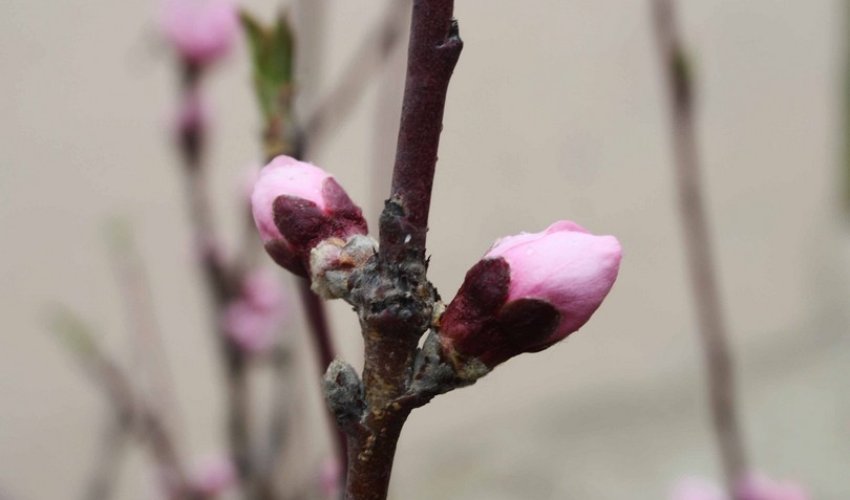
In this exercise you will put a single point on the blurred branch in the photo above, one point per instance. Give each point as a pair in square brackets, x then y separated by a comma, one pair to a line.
[132, 280]
[104, 473]
[317, 319]
[712, 325]
[279, 419]
[130, 411]
[367, 60]
[221, 282]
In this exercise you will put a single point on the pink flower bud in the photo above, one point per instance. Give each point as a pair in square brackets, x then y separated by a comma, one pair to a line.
[529, 292]
[252, 320]
[296, 206]
[213, 475]
[759, 487]
[202, 31]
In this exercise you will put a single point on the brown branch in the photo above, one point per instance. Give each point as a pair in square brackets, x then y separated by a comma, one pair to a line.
[435, 46]
[394, 299]
[712, 325]
[369, 57]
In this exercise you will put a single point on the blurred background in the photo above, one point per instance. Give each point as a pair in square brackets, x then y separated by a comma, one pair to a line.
[557, 110]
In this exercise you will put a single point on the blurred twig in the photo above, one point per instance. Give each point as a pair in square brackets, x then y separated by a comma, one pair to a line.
[113, 446]
[131, 411]
[712, 325]
[153, 366]
[367, 60]
[221, 282]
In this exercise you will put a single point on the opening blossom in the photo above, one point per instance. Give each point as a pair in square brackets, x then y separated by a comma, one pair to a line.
[201, 31]
[252, 320]
[297, 206]
[529, 291]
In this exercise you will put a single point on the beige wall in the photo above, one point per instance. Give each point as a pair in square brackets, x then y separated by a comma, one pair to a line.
[556, 111]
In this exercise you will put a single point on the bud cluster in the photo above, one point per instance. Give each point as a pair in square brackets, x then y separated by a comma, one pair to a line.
[527, 293]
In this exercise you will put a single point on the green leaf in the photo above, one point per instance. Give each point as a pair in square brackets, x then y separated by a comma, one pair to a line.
[282, 51]
[272, 50]
[255, 35]
[73, 331]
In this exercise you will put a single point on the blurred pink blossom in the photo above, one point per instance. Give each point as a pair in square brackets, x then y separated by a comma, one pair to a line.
[213, 475]
[753, 487]
[201, 31]
[252, 320]
[761, 487]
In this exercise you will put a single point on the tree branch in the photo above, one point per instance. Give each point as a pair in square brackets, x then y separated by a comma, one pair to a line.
[391, 292]
[434, 49]
[712, 325]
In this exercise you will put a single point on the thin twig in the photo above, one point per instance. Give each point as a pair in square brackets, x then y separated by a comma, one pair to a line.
[145, 422]
[370, 56]
[317, 320]
[712, 325]
[135, 291]
[433, 52]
